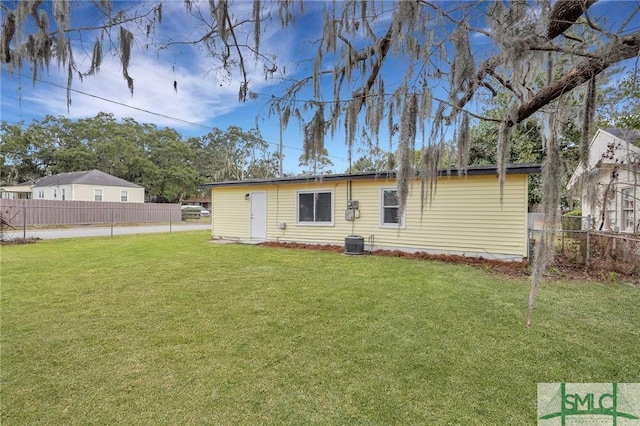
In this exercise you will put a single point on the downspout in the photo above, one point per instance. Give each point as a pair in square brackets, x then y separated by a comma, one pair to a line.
[349, 182]
[350, 192]
[280, 156]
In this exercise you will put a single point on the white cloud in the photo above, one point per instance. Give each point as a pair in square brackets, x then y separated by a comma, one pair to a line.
[202, 93]
[196, 99]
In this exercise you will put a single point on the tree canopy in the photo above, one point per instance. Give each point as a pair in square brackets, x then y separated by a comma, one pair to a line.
[169, 167]
[421, 68]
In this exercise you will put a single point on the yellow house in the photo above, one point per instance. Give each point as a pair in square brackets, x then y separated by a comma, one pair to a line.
[465, 217]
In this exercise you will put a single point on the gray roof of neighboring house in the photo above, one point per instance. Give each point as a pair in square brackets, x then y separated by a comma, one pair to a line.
[629, 135]
[89, 177]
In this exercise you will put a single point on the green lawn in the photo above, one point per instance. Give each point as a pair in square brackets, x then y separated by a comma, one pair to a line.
[171, 328]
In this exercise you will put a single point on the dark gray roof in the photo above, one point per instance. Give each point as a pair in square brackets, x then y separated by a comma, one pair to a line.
[628, 135]
[471, 171]
[89, 177]
[25, 184]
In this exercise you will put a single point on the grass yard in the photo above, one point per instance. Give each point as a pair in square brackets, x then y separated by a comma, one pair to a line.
[170, 328]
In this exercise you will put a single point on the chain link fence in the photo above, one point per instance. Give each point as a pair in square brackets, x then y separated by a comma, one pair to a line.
[576, 242]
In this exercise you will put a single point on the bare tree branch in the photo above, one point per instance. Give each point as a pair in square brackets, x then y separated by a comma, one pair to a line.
[563, 16]
[617, 50]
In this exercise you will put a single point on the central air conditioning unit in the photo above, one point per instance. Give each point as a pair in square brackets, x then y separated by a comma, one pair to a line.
[354, 244]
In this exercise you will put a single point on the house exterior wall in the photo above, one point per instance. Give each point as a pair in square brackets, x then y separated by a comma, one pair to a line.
[612, 148]
[620, 215]
[466, 216]
[78, 192]
[52, 192]
[618, 208]
[15, 192]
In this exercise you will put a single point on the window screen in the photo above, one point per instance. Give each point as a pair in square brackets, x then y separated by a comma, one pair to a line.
[390, 207]
[315, 207]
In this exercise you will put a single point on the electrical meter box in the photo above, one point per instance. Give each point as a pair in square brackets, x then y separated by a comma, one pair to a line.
[349, 214]
[352, 212]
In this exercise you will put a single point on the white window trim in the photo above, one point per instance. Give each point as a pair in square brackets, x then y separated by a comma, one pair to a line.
[333, 209]
[614, 217]
[382, 224]
[126, 196]
[101, 194]
[623, 210]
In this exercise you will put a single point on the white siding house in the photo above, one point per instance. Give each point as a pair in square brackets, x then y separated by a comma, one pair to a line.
[16, 192]
[609, 185]
[91, 185]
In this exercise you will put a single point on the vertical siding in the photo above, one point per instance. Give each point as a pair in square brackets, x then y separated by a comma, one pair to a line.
[465, 217]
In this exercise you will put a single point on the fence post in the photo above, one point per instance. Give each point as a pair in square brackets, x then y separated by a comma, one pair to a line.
[588, 254]
[111, 221]
[24, 224]
[170, 220]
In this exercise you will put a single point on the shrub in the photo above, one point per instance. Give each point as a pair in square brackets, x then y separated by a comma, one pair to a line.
[572, 221]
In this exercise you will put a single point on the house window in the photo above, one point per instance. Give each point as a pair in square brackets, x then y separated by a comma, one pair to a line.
[628, 207]
[124, 196]
[97, 194]
[389, 207]
[315, 208]
[63, 194]
[41, 193]
[55, 193]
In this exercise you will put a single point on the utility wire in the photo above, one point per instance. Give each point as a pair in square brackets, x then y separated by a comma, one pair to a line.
[158, 114]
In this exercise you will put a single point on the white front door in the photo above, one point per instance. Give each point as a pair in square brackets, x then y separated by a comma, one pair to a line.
[258, 216]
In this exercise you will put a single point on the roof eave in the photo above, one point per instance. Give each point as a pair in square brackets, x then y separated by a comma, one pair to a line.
[527, 169]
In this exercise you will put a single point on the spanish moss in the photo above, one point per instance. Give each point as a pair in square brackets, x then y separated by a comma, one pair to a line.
[551, 194]
[406, 148]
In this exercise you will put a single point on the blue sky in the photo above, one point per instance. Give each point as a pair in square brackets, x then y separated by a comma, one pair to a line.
[204, 99]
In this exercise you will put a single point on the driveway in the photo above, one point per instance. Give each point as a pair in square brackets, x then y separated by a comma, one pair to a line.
[46, 234]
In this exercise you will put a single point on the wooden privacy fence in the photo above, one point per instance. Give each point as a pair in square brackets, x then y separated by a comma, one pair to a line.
[20, 213]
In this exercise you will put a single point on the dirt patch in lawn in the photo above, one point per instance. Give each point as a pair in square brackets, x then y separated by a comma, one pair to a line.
[18, 241]
[563, 269]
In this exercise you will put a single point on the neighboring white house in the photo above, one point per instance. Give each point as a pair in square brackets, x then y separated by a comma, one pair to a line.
[610, 183]
[90, 185]
[21, 191]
